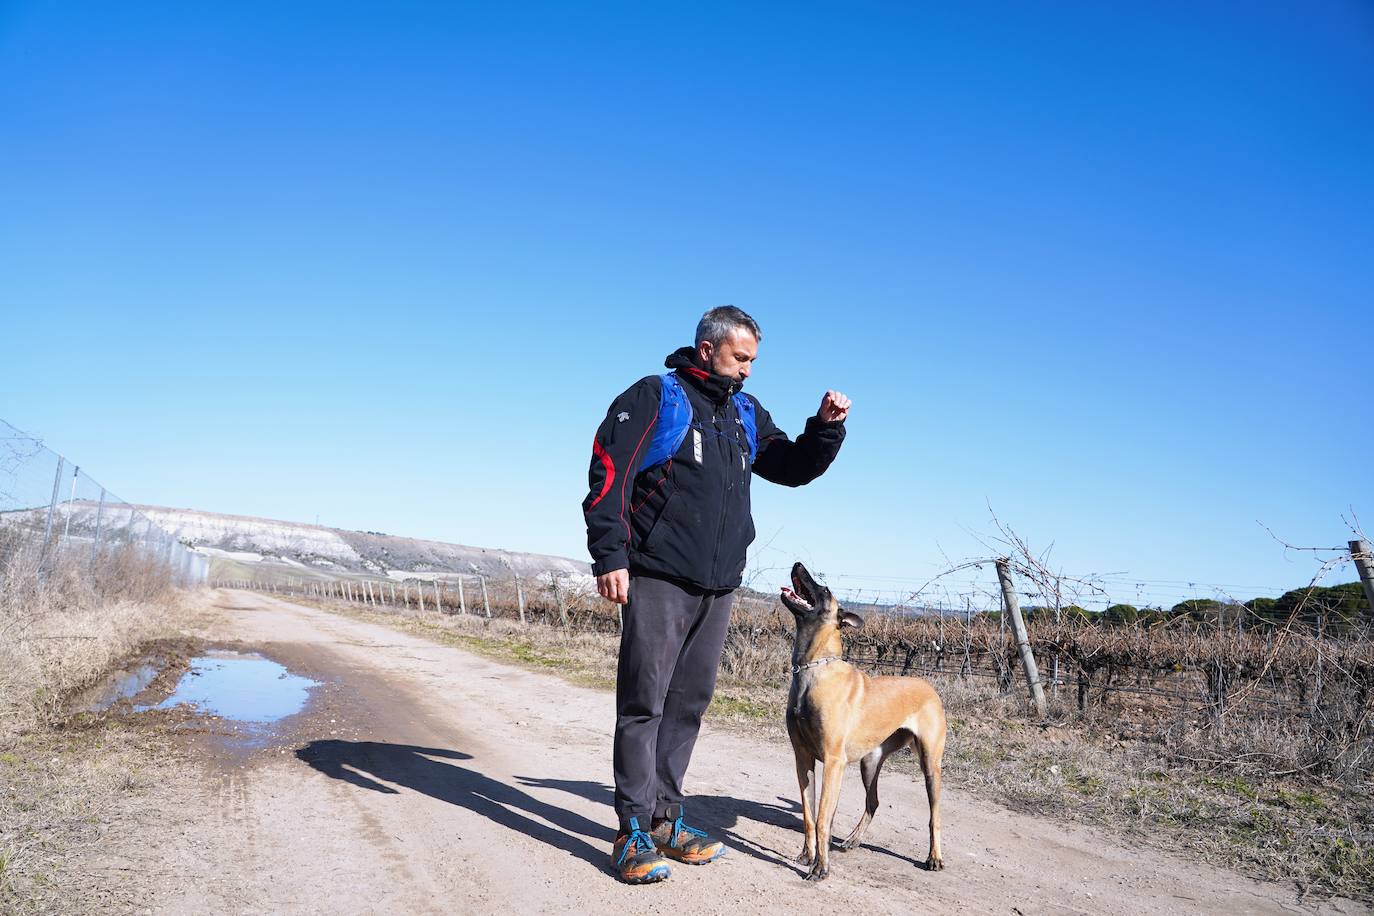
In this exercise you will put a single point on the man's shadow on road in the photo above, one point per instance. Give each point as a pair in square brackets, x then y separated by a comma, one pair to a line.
[363, 763]
[357, 762]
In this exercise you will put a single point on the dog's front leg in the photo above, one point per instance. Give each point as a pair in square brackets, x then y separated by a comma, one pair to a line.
[806, 779]
[825, 813]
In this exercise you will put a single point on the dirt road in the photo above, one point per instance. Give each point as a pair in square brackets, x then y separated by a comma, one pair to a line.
[423, 779]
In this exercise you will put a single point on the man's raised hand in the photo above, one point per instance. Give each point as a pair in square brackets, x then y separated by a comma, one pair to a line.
[834, 406]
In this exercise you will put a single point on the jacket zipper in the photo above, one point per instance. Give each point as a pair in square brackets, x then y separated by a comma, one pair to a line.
[727, 466]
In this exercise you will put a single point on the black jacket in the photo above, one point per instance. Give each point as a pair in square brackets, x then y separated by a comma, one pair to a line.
[689, 520]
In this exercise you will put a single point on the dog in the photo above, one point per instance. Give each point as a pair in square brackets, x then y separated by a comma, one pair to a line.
[836, 715]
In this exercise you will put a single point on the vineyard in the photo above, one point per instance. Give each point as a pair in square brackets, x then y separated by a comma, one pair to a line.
[1211, 681]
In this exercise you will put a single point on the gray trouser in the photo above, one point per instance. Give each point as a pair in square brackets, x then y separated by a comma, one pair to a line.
[670, 647]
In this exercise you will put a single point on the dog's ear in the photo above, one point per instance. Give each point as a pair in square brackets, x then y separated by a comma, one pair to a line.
[850, 619]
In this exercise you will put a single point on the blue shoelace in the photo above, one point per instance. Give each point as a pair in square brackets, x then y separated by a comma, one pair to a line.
[679, 826]
[638, 840]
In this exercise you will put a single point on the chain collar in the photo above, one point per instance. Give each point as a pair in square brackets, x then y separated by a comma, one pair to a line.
[816, 663]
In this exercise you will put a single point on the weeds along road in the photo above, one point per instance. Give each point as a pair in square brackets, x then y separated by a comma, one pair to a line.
[424, 779]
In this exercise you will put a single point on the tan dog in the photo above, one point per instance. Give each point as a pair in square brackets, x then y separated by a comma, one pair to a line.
[836, 715]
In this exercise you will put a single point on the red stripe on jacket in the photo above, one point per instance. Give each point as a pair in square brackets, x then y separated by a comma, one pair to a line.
[599, 452]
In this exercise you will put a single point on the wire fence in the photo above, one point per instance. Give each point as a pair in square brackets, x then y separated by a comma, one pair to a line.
[56, 520]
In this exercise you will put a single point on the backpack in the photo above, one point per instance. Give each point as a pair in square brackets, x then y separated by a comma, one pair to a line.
[675, 415]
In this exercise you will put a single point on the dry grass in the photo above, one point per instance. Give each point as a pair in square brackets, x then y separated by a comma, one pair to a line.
[61, 791]
[1230, 810]
[1313, 833]
[61, 631]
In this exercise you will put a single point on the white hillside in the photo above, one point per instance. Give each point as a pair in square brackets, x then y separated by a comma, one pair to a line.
[322, 550]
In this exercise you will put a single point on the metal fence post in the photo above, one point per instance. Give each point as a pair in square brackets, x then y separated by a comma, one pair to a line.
[95, 542]
[52, 507]
[67, 521]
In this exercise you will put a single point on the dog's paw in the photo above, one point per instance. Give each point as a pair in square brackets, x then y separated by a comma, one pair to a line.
[847, 845]
[805, 857]
[818, 872]
[935, 863]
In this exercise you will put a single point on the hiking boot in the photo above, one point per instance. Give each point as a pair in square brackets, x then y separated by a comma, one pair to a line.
[685, 844]
[634, 859]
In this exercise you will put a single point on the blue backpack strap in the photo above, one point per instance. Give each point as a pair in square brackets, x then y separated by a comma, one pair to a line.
[674, 416]
[744, 406]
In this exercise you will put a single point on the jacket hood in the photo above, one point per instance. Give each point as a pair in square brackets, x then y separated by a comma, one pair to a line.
[716, 387]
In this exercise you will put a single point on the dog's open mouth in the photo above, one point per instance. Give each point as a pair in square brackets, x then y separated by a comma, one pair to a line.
[799, 594]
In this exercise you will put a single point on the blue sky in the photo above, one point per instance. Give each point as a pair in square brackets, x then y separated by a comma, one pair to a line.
[1104, 267]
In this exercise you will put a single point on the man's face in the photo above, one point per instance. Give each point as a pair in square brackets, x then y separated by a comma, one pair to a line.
[735, 356]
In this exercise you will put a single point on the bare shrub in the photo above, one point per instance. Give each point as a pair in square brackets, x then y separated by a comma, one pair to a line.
[66, 617]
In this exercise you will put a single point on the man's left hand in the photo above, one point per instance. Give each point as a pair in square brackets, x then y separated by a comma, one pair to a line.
[834, 407]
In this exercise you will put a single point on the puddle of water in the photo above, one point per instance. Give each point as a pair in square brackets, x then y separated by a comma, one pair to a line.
[121, 686]
[243, 687]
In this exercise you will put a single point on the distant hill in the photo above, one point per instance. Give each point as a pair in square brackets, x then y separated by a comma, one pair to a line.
[281, 548]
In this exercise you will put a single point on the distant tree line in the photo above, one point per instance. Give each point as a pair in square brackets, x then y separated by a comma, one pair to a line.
[1337, 610]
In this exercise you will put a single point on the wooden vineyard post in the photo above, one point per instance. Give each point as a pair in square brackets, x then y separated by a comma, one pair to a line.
[420, 595]
[967, 666]
[438, 598]
[940, 652]
[1363, 558]
[1054, 673]
[1317, 693]
[485, 603]
[462, 601]
[1012, 610]
[558, 599]
[520, 597]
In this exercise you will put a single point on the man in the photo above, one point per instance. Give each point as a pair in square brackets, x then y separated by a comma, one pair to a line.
[667, 526]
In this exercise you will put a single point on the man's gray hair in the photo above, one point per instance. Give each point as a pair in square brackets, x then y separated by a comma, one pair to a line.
[717, 324]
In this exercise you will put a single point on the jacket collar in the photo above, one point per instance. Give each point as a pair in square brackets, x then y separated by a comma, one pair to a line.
[717, 388]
